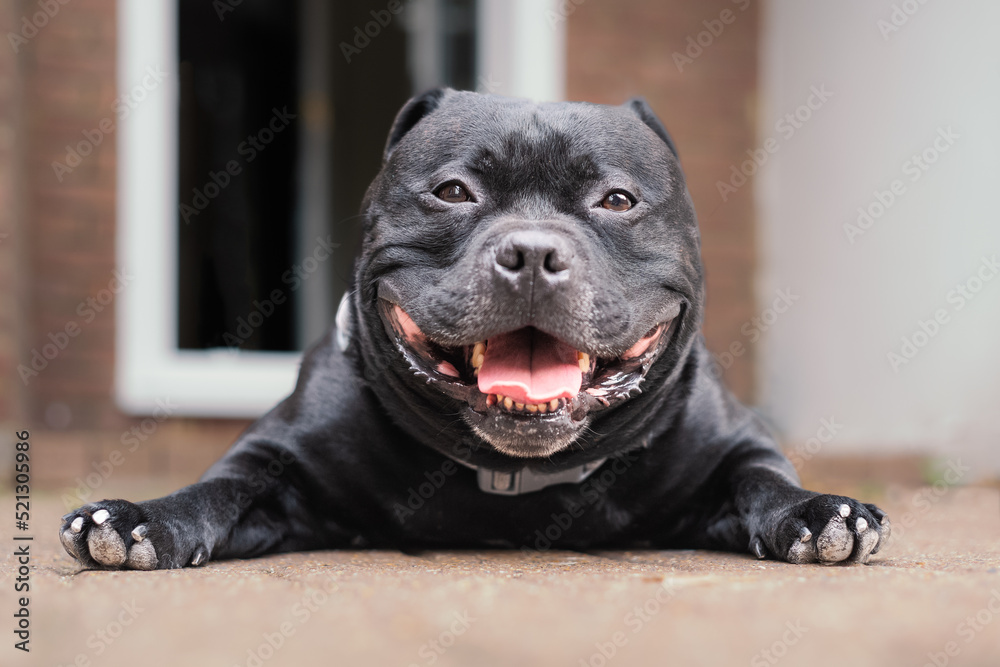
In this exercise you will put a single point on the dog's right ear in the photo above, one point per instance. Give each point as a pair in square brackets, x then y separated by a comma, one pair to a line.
[411, 114]
[641, 108]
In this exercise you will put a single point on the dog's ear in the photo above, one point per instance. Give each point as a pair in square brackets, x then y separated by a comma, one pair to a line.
[641, 108]
[411, 114]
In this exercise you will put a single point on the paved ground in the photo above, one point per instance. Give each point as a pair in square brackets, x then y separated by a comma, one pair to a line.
[937, 589]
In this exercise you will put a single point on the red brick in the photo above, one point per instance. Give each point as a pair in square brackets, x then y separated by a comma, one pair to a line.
[621, 48]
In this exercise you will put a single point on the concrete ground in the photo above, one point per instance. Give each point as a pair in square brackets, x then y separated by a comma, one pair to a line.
[933, 597]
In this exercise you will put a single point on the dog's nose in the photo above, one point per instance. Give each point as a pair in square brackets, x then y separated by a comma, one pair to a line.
[531, 252]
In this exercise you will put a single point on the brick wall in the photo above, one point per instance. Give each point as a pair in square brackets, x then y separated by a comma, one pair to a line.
[69, 72]
[621, 48]
[10, 89]
[65, 247]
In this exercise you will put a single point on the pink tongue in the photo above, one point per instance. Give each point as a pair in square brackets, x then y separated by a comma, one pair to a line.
[530, 367]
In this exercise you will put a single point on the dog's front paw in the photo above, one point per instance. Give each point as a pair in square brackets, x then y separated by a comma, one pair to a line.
[116, 535]
[825, 529]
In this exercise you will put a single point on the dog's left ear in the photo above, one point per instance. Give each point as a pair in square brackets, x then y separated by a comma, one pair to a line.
[641, 108]
[412, 112]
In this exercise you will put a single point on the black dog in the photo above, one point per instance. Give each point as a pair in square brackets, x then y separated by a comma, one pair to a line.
[519, 364]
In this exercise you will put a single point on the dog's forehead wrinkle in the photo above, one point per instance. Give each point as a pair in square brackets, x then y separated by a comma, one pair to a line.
[561, 150]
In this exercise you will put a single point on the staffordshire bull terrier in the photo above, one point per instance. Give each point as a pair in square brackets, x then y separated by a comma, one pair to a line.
[518, 364]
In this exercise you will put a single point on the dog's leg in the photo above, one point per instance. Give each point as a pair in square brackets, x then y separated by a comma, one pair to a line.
[789, 523]
[250, 507]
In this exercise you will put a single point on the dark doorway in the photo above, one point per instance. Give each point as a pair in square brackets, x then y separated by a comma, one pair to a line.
[274, 93]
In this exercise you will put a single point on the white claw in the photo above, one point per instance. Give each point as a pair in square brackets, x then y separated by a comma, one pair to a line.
[77, 524]
[100, 516]
[845, 510]
[139, 533]
[805, 534]
[861, 525]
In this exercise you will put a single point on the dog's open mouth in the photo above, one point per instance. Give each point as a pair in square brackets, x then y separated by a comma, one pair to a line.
[525, 374]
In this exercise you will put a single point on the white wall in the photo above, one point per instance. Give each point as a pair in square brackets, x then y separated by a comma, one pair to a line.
[891, 95]
[522, 47]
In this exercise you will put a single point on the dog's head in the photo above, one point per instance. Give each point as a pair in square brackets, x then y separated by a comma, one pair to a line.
[526, 268]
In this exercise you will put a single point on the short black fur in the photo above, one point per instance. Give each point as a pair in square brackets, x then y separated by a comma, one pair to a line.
[364, 452]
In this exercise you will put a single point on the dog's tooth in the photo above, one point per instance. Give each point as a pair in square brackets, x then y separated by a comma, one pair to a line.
[508, 402]
[554, 404]
[584, 360]
[543, 407]
[491, 400]
[531, 407]
[519, 406]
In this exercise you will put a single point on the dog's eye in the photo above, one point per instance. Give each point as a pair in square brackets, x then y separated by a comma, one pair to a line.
[453, 193]
[618, 201]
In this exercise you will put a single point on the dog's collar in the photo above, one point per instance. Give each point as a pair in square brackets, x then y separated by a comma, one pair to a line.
[496, 482]
[526, 480]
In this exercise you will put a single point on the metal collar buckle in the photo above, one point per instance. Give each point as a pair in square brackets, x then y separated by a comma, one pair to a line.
[527, 480]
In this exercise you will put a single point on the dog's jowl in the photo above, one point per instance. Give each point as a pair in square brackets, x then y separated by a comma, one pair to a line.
[519, 356]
